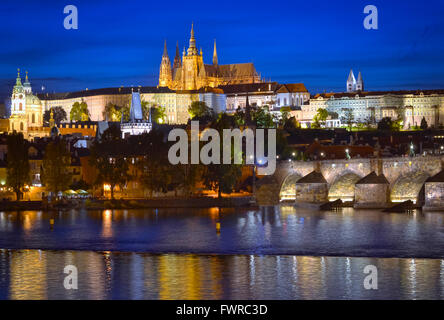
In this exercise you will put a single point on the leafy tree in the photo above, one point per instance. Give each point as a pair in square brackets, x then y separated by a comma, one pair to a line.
[81, 184]
[320, 117]
[18, 169]
[156, 171]
[385, 124]
[262, 117]
[55, 167]
[285, 113]
[79, 112]
[59, 115]
[158, 114]
[291, 124]
[222, 177]
[424, 124]
[199, 111]
[239, 117]
[349, 118]
[112, 112]
[108, 157]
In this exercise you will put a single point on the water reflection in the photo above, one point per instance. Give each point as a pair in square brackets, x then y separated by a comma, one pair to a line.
[30, 274]
[281, 230]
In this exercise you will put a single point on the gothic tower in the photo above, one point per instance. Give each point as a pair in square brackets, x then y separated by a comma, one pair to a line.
[359, 83]
[192, 65]
[165, 73]
[177, 62]
[351, 82]
[215, 54]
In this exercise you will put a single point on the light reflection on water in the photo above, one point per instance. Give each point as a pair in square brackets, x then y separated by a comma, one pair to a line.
[267, 230]
[34, 274]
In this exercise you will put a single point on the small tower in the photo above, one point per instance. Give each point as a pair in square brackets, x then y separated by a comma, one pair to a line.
[51, 119]
[27, 85]
[351, 82]
[177, 62]
[18, 98]
[165, 73]
[215, 54]
[359, 83]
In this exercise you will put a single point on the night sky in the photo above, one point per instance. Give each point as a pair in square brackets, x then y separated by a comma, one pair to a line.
[312, 41]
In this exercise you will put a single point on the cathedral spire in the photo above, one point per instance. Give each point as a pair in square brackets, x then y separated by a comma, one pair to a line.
[351, 82]
[177, 62]
[165, 51]
[192, 50]
[215, 54]
[165, 72]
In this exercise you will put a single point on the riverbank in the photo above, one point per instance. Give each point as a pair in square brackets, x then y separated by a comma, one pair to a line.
[94, 204]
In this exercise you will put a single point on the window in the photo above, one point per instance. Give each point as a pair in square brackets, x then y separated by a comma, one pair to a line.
[33, 118]
[21, 126]
[20, 106]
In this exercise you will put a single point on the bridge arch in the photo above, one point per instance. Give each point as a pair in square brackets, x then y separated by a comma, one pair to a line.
[344, 187]
[409, 187]
[288, 187]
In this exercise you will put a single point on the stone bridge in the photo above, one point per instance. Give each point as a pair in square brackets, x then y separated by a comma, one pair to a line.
[404, 178]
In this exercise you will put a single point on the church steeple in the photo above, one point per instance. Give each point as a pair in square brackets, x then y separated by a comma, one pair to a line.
[351, 82]
[192, 50]
[359, 83]
[215, 54]
[165, 51]
[165, 73]
[177, 62]
[18, 81]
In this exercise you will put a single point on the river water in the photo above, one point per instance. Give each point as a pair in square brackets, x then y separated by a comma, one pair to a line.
[269, 253]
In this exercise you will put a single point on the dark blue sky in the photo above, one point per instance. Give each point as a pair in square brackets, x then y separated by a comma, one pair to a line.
[311, 41]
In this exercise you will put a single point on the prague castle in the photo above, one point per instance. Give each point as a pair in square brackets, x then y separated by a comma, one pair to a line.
[189, 72]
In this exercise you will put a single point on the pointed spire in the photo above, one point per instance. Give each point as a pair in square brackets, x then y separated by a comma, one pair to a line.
[359, 76]
[215, 54]
[351, 76]
[177, 62]
[165, 51]
[18, 82]
[192, 48]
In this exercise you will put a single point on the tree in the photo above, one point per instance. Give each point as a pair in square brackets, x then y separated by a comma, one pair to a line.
[158, 114]
[112, 112]
[222, 177]
[321, 116]
[262, 117]
[156, 171]
[59, 115]
[424, 124]
[55, 167]
[108, 157]
[199, 111]
[385, 124]
[18, 169]
[349, 118]
[79, 112]
[285, 113]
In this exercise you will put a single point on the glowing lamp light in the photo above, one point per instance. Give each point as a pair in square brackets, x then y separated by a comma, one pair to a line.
[106, 187]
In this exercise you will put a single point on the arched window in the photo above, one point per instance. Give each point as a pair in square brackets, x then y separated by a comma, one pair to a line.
[12, 126]
[21, 126]
[33, 118]
[20, 106]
